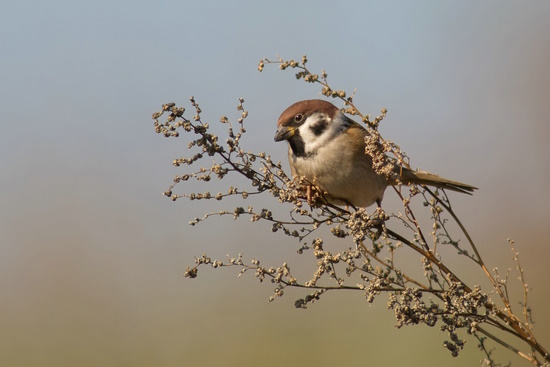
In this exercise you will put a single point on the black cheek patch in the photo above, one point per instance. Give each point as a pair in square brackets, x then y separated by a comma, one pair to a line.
[319, 127]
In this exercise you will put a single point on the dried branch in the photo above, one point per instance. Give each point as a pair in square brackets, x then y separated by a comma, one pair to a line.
[378, 258]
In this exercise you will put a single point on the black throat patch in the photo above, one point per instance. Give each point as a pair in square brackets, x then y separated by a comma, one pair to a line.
[297, 145]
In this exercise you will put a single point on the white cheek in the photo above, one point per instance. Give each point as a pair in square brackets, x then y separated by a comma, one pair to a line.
[314, 142]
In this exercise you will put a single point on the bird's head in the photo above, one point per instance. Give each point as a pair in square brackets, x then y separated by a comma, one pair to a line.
[310, 124]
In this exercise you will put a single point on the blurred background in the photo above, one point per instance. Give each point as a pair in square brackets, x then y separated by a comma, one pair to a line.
[92, 256]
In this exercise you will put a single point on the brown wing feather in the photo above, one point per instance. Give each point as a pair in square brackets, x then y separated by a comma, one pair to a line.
[357, 134]
[407, 176]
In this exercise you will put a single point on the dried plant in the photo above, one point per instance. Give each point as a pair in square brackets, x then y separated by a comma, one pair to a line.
[373, 264]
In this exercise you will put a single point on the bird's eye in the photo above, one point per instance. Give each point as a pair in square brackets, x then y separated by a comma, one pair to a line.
[298, 117]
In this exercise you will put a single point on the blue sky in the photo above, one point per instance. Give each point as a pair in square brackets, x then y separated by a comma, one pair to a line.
[92, 255]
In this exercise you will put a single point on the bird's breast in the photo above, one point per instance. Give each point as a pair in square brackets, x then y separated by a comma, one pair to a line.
[345, 173]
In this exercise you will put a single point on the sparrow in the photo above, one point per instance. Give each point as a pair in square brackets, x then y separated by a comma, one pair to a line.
[327, 148]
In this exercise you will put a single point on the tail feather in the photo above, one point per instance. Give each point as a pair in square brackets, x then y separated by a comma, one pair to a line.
[408, 177]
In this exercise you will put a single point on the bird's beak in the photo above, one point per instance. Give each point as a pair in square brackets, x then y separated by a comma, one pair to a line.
[284, 133]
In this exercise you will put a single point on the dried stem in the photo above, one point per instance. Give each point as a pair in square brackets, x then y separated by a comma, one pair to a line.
[378, 240]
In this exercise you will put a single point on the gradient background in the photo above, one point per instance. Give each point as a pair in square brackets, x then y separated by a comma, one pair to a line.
[92, 256]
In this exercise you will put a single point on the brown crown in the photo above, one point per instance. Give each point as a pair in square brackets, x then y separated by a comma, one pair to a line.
[306, 108]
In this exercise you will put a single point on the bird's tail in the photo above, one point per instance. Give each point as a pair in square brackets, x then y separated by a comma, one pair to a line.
[409, 177]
